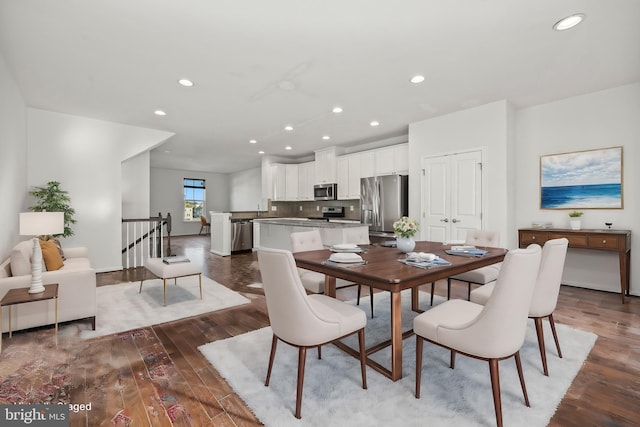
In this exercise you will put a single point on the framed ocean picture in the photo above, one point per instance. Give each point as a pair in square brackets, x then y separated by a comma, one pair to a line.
[590, 179]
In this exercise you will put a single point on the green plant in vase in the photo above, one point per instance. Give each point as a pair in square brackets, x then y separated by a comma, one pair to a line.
[574, 220]
[51, 198]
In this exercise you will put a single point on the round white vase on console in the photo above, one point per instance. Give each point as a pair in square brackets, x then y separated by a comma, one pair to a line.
[405, 244]
[575, 224]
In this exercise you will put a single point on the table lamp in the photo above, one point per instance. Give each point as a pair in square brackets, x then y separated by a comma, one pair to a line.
[38, 224]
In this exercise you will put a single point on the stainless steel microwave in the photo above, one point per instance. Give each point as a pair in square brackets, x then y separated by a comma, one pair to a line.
[325, 191]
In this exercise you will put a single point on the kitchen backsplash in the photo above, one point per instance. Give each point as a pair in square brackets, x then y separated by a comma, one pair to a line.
[305, 209]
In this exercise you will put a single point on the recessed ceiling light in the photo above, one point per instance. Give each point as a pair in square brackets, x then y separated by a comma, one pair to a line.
[568, 22]
[417, 79]
[374, 123]
[326, 137]
[252, 141]
[167, 151]
[337, 109]
[260, 152]
[288, 147]
[159, 113]
[288, 128]
[185, 82]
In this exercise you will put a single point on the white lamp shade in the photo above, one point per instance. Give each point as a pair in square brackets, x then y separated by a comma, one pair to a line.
[41, 223]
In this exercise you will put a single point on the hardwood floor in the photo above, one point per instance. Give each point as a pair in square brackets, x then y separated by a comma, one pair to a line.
[157, 374]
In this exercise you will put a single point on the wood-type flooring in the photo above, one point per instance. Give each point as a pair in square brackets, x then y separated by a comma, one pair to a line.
[157, 374]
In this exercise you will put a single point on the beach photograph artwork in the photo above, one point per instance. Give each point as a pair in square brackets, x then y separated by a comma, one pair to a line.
[582, 180]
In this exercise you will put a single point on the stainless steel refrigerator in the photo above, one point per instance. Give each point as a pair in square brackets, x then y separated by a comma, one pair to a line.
[383, 200]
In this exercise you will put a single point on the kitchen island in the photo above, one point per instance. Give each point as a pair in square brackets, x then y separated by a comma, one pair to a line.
[275, 232]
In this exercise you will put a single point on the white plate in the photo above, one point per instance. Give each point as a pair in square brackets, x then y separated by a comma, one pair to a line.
[345, 246]
[345, 257]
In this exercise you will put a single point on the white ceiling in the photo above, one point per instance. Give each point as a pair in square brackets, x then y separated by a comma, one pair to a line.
[259, 65]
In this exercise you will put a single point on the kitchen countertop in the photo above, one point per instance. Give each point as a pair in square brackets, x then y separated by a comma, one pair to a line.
[301, 222]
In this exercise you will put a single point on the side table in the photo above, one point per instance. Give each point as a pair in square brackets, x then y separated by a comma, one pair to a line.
[21, 296]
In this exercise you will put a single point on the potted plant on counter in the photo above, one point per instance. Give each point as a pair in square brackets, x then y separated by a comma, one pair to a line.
[574, 220]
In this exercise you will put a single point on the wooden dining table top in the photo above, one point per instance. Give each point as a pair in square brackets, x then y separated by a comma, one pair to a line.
[384, 271]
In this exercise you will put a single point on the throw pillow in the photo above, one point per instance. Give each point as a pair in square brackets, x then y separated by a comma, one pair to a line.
[56, 241]
[50, 255]
[21, 258]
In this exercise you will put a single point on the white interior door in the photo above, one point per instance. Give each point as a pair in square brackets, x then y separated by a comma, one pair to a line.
[452, 196]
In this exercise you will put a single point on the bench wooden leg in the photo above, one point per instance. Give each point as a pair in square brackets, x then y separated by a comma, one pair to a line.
[164, 281]
[200, 279]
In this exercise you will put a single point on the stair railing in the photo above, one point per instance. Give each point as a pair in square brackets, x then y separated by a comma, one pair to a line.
[145, 238]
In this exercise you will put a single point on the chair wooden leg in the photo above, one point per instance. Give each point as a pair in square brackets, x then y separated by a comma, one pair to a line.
[448, 288]
[358, 297]
[452, 359]
[371, 299]
[433, 285]
[495, 387]
[140, 290]
[272, 356]
[469, 292]
[363, 358]
[302, 355]
[521, 376]
[419, 342]
[543, 353]
[319, 352]
[555, 335]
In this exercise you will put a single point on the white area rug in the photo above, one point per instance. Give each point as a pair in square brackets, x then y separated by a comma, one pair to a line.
[333, 395]
[122, 308]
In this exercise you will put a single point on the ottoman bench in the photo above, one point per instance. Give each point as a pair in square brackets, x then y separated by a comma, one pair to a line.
[171, 271]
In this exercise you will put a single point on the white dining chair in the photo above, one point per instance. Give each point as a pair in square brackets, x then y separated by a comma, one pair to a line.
[482, 275]
[302, 241]
[545, 295]
[359, 236]
[492, 332]
[301, 320]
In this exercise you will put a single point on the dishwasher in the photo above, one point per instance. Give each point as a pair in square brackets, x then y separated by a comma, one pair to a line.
[241, 235]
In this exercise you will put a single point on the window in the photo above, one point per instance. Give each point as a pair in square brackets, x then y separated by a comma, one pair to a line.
[194, 200]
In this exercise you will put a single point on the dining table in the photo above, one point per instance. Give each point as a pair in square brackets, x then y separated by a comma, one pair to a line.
[382, 270]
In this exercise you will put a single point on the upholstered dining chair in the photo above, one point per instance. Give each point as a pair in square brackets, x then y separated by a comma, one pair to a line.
[302, 241]
[204, 225]
[482, 275]
[492, 332]
[359, 236]
[545, 295]
[301, 320]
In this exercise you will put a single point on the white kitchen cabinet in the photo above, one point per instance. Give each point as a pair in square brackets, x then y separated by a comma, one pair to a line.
[367, 164]
[284, 182]
[306, 179]
[390, 160]
[291, 185]
[279, 182]
[348, 176]
[342, 177]
[326, 166]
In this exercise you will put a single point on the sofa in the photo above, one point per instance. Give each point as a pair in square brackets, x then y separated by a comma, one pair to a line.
[76, 281]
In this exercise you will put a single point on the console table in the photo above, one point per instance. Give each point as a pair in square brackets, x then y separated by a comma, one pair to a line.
[601, 240]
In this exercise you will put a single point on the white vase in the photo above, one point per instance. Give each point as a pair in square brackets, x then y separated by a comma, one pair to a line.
[405, 244]
[575, 224]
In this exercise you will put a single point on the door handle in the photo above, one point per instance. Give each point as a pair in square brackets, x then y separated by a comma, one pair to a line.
[455, 220]
[445, 220]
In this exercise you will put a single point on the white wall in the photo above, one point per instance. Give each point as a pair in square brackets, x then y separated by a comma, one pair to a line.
[136, 187]
[245, 190]
[167, 196]
[485, 127]
[603, 119]
[85, 156]
[13, 160]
